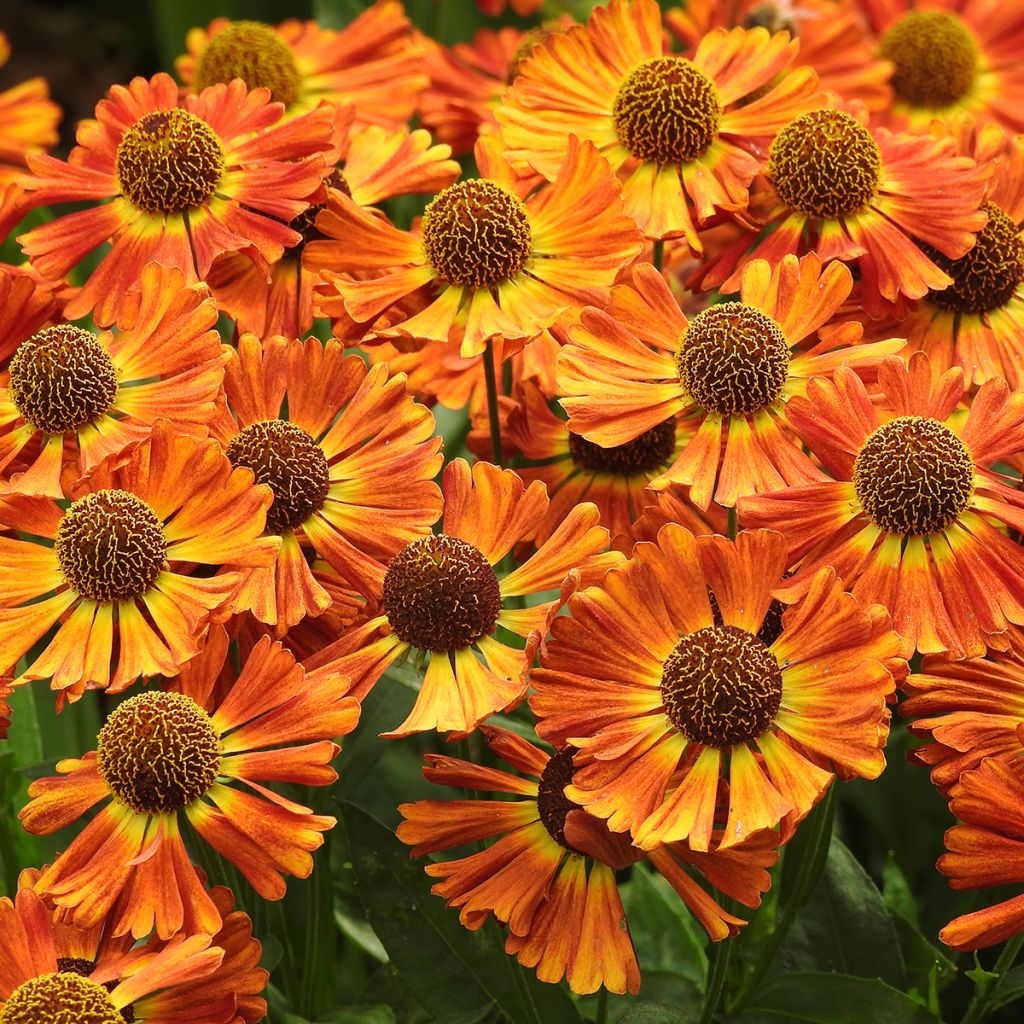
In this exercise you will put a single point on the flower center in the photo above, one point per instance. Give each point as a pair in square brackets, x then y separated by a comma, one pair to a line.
[772, 17]
[255, 53]
[733, 358]
[84, 968]
[988, 275]
[476, 233]
[61, 379]
[531, 40]
[652, 450]
[62, 998]
[552, 804]
[667, 111]
[824, 163]
[913, 476]
[441, 594]
[158, 752]
[110, 546]
[721, 686]
[169, 161]
[305, 223]
[290, 462]
[935, 58]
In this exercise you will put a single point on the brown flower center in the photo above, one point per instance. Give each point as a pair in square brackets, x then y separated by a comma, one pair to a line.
[62, 998]
[986, 278]
[61, 379]
[531, 40]
[110, 546]
[305, 223]
[255, 53]
[158, 752]
[553, 805]
[290, 462]
[825, 163]
[651, 451]
[935, 58]
[476, 233]
[913, 476]
[733, 359]
[721, 686]
[169, 161]
[84, 968]
[441, 594]
[772, 17]
[667, 111]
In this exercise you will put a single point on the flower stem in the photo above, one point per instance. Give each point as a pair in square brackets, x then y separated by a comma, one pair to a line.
[980, 1006]
[811, 863]
[731, 524]
[658, 254]
[716, 979]
[492, 405]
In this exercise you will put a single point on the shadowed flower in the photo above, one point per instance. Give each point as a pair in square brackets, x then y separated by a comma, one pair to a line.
[28, 122]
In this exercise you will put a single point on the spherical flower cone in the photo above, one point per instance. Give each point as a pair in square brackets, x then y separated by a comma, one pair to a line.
[679, 673]
[203, 752]
[442, 595]
[491, 256]
[375, 62]
[685, 136]
[232, 179]
[885, 201]
[731, 369]
[549, 874]
[350, 459]
[76, 397]
[930, 545]
[951, 56]
[115, 567]
[28, 121]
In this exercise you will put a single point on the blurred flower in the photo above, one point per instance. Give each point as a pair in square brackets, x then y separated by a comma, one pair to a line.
[28, 122]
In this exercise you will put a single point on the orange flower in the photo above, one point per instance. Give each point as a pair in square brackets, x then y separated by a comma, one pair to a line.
[442, 595]
[733, 367]
[375, 63]
[951, 56]
[831, 35]
[167, 753]
[679, 673]
[550, 874]
[114, 565]
[28, 122]
[523, 8]
[986, 850]
[375, 164]
[492, 255]
[186, 184]
[350, 464]
[76, 397]
[914, 519]
[685, 135]
[27, 307]
[852, 193]
[977, 322]
[972, 710]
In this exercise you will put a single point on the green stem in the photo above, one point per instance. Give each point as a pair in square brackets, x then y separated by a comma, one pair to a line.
[981, 1005]
[731, 524]
[811, 864]
[716, 980]
[602, 1006]
[658, 255]
[492, 405]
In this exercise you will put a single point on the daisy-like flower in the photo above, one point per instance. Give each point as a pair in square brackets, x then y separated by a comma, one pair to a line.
[187, 980]
[215, 979]
[203, 751]
[856, 194]
[831, 35]
[549, 876]
[28, 122]
[732, 367]
[77, 397]
[969, 710]
[375, 62]
[915, 516]
[682, 133]
[349, 456]
[491, 256]
[976, 322]
[375, 164]
[678, 672]
[443, 596]
[27, 306]
[986, 850]
[110, 567]
[185, 184]
[950, 56]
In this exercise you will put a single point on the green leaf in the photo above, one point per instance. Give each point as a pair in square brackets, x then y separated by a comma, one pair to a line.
[355, 1014]
[832, 999]
[1010, 988]
[654, 1013]
[458, 975]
